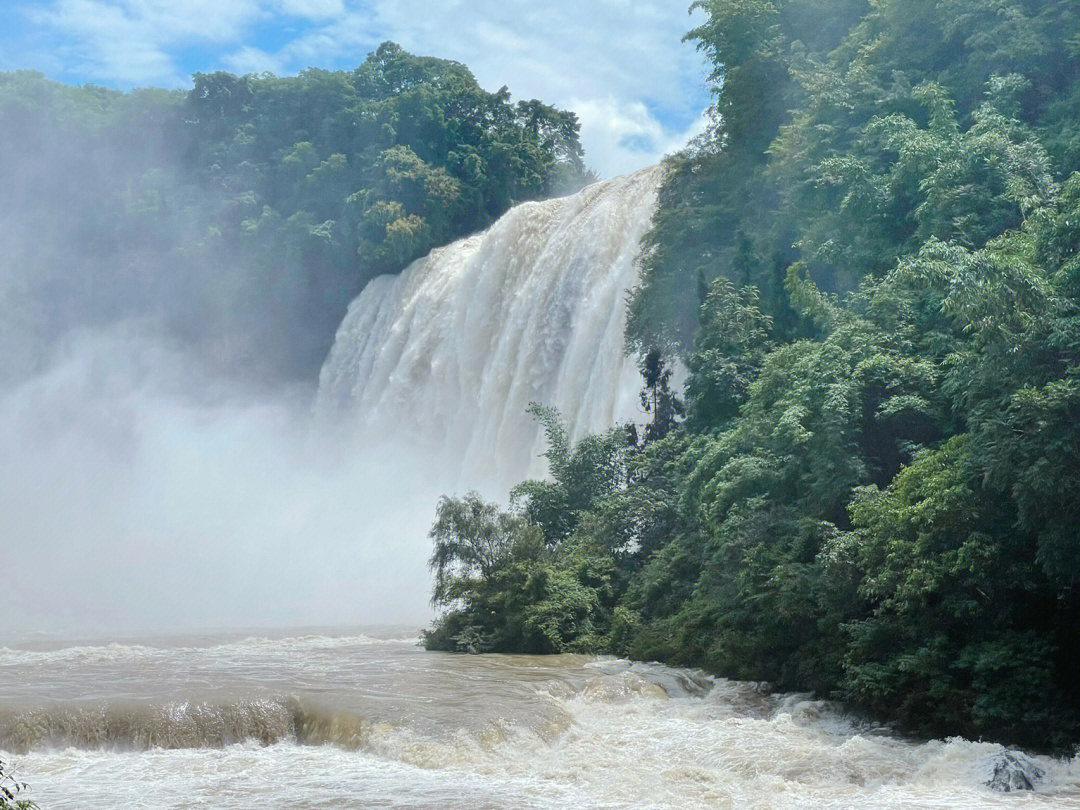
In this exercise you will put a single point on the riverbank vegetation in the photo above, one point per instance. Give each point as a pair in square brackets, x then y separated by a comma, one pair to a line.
[10, 790]
[244, 214]
[870, 485]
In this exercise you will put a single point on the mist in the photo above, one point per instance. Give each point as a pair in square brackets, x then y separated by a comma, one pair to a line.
[132, 505]
[159, 469]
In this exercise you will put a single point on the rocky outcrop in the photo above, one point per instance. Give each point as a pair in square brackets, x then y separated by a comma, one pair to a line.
[1014, 771]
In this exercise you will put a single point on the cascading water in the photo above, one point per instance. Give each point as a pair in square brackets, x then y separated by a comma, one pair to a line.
[451, 352]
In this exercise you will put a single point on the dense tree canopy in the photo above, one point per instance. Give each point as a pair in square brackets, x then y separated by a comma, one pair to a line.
[248, 211]
[869, 267]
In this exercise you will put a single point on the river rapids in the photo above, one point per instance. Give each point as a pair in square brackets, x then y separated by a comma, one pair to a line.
[369, 719]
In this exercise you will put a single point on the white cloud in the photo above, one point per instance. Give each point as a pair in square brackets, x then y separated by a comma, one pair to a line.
[132, 41]
[622, 136]
[252, 60]
[311, 9]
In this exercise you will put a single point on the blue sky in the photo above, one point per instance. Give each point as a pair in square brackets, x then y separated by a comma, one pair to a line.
[619, 64]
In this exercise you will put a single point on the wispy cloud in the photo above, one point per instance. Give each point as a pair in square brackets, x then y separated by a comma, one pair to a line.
[619, 64]
[311, 9]
[249, 59]
[134, 41]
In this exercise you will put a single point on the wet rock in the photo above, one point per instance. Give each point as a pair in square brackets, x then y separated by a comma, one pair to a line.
[1014, 771]
[621, 678]
[693, 682]
[620, 688]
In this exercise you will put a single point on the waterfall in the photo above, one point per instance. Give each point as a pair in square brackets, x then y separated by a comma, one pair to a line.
[449, 354]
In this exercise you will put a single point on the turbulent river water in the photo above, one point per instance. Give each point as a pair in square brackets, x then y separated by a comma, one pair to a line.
[369, 719]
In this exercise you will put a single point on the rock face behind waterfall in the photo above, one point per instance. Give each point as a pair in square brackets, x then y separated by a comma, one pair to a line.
[450, 353]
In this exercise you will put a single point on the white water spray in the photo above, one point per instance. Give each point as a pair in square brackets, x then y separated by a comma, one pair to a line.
[451, 352]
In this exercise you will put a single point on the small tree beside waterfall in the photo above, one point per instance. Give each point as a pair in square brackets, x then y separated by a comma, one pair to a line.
[659, 402]
[516, 580]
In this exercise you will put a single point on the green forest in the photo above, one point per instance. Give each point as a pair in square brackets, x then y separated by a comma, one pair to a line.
[243, 215]
[869, 486]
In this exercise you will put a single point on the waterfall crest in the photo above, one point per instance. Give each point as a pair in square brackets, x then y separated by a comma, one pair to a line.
[449, 354]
